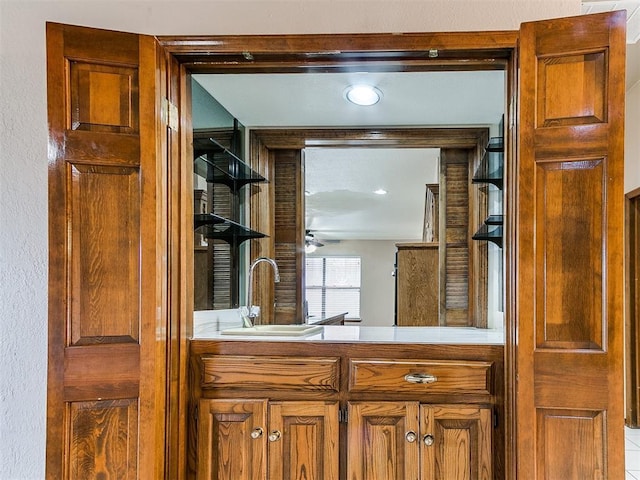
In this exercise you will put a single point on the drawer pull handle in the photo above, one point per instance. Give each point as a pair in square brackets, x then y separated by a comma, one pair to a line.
[275, 435]
[420, 378]
[411, 436]
[257, 432]
[428, 440]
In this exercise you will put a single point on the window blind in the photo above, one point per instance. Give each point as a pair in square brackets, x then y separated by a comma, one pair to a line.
[333, 286]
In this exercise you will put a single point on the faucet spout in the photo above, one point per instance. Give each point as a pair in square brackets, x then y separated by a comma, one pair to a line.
[251, 314]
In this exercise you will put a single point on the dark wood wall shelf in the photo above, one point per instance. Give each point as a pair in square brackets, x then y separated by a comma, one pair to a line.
[491, 172]
[217, 164]
[218, 220]
[216, 227]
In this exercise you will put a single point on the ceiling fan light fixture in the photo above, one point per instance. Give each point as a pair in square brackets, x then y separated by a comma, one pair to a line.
[310, 242]
[364, 95]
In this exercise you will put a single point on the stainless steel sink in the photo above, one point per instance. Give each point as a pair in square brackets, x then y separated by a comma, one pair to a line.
[274, 330]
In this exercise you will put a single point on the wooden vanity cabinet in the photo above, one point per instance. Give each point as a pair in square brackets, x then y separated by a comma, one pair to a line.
[244, 439]
[265, 417]
[231, 440]
[334, 411]
[456, 442]
[409, 440]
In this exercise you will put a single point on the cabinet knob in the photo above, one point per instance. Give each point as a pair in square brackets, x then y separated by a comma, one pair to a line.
[257, 432]
[428, 440]
[420, 378]
[411, 436]
[275, 435]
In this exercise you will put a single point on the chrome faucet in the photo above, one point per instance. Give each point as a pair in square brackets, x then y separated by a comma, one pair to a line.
[251, 314]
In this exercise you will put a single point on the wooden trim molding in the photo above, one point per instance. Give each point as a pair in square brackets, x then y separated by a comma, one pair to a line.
[265, 142]
[388, 52]
[343, 52]
[632, 320]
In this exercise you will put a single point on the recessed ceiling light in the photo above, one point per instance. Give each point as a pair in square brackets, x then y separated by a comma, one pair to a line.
[364, 95]
[380, 191]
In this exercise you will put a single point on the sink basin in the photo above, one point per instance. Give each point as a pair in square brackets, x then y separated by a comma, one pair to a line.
[274, 330]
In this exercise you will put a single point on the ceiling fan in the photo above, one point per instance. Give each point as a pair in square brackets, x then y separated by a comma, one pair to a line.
[310, 242]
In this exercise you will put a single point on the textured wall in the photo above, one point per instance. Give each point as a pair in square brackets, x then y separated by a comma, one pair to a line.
[23, 146]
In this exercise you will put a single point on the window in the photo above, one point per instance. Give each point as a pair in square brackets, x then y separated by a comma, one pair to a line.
[333, 286]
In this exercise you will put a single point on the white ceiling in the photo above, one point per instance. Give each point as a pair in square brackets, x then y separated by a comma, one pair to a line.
[336, 203]
[316, 100]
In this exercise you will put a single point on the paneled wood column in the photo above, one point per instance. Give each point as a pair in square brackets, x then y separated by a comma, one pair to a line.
[107, 236]
[569, 266]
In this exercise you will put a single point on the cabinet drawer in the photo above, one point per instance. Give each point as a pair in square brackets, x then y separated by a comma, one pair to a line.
[429, 376]
[270, 372]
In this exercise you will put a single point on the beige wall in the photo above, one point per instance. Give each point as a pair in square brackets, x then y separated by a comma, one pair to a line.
[377, 258]
[23, 146]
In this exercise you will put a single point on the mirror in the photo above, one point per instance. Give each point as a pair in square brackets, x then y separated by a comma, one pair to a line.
[409, 100]
[377, 201]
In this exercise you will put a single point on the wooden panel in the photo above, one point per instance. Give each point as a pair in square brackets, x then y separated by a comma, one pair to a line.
[570, 254]
[103, 439]
[569, 248]
[226, 449]
[110, 371]
[377, 447]
[454, 238]
[308, 446]
[219, 275]
[104, 98]
[201, 290]
[289, 224]
[286, 291]
[291, 373]
[389, 376]
[431, 224]
[223, 277]
[418, 285]
[584, 431]
[580, 102]
[105, 246]
[107, 270]
[462, 443]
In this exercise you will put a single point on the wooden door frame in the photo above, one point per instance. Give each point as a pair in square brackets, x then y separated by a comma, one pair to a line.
[632, 304]
[265, 141]
[464, 51]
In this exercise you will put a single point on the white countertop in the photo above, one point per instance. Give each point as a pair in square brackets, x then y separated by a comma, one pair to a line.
[348, 333]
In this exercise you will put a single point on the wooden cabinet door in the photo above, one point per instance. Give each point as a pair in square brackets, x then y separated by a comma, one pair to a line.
[455, 442]
[382, 441]
[232, 439]
[107, 383]
[569, 250]
[418, 285]
[303, 441]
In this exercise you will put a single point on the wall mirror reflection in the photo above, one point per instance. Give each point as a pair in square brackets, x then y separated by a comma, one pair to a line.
[371, 216]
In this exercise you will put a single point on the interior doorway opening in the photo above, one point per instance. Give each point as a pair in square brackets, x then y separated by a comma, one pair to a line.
[632, 330]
